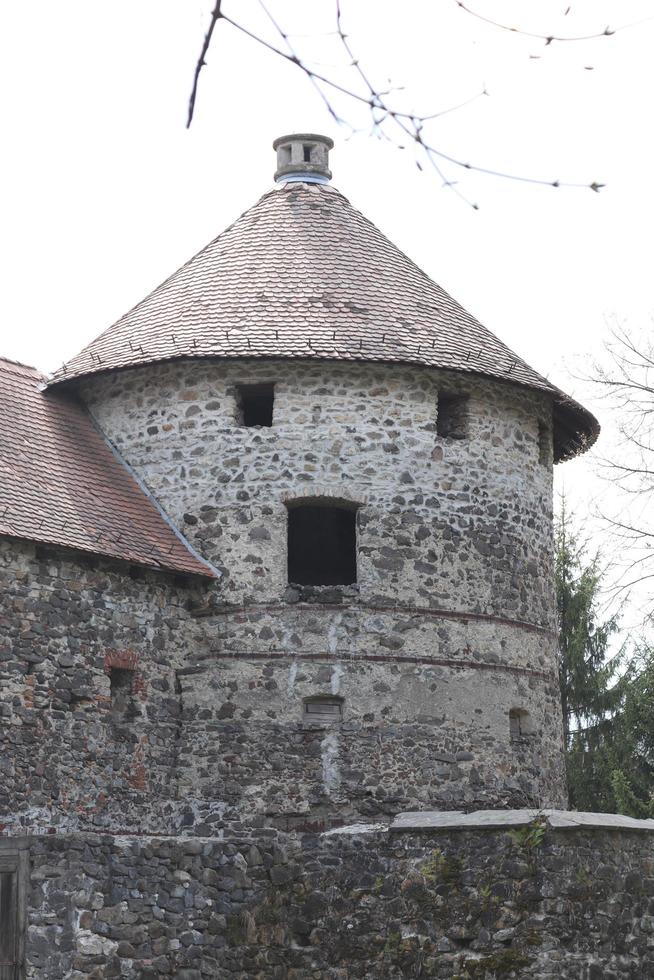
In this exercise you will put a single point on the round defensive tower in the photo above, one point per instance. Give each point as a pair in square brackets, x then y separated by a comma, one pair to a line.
[371, 471]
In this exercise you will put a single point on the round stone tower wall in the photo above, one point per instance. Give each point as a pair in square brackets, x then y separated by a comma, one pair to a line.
[441, 658]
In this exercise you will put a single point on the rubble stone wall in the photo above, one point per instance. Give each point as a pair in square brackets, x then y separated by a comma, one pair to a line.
[366, 903]
[449, 626]
[461, 524]
[66, 759]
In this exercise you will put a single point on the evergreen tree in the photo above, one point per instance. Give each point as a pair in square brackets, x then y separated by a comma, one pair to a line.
[632, 754]
[593, 683]
[586, 672]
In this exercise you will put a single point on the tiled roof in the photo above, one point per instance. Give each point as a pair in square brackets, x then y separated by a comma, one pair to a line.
[61, 483]
[302, 274]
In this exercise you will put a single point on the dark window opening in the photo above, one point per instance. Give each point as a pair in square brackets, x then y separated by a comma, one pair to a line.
[256, 404]
[452, 416]
[307, 153]
[544, 443]
[520, 724]
[123, 704]
[14, 878]
[322, 545]
[8, 925]
[323, 710]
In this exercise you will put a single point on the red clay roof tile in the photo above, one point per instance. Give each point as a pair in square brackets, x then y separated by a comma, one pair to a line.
[61, 483]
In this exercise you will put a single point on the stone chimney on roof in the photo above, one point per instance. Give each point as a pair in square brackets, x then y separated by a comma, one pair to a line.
[303, 157]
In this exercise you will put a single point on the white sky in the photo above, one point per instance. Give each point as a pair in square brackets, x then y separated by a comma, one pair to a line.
[105, 193]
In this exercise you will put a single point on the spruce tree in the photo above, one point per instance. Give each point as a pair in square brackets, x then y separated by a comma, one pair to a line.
[586, 672]
[593, 682]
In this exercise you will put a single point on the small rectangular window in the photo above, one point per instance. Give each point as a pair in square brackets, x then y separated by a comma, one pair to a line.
[323, 710]
[452, 416]
[322, 545]
[306, 148]
[256, 404]
[520, 724]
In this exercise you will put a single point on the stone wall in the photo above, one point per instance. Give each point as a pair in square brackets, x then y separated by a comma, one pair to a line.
[215, 738]
[406, 739]
[67, 758]
[445, 523]
[447, 630]
[450, 623]
[527, 901]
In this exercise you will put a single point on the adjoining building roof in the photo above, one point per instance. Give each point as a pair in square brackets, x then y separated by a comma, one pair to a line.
[302, 274]
[61, 483]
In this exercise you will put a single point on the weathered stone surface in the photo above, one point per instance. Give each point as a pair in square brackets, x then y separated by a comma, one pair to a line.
[201, 825]
[362, 903]
[429, 820]
[67, 758]
[493, 819]
[448, 627]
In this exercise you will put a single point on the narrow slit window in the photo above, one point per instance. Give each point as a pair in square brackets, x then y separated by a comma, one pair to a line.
[14, 875]
[452, 416]
[123, 704]
[256, 404]
[322, 545]
[307, 152]
[323, 710]
[9, 924]
[544, 444]
[520, 724]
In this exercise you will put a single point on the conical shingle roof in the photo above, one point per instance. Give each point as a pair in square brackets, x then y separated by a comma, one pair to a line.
[304, 275]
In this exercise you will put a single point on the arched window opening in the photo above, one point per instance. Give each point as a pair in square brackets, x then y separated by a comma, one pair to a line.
[321, 544]
[520, 724]
[322, 710]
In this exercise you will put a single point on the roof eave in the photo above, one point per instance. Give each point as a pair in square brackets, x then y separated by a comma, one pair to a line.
[575, 428]
[200, 571]
[578, 428]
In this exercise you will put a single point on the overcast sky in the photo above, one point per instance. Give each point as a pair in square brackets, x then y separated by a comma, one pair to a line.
[105, 192]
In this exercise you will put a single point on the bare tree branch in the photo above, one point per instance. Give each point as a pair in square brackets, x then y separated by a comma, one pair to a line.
[215, 17]
[550, 38]
[626, 381]
[403, 126]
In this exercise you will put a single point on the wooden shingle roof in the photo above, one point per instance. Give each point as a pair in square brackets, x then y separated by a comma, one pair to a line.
[302, 274]
[62, 484]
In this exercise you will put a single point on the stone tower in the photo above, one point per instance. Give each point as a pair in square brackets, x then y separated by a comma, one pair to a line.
[370, 470]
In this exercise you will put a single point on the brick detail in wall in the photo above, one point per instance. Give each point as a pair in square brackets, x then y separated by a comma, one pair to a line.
[123, 659]
[127, 660]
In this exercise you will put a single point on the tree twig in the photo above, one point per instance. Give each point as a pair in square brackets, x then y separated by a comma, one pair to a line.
[215, 17]
[549, 38]
[408, 125]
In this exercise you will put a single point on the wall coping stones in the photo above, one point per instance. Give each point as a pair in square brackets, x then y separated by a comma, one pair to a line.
[497, 819]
